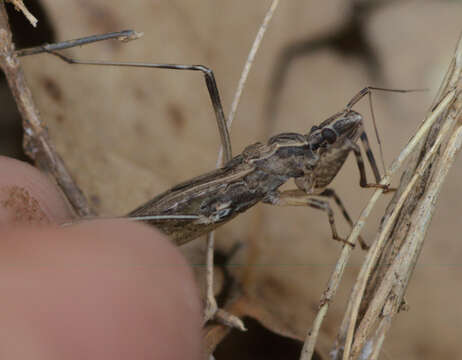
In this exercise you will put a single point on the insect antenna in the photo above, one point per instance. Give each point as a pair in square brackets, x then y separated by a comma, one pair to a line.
[368, 91]
[137, 218]
[160, 217]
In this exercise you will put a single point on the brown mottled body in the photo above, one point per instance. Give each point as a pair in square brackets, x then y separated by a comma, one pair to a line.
[312, 160]
[220, 195]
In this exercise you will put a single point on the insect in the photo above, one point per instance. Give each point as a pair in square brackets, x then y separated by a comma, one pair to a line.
[313, 159]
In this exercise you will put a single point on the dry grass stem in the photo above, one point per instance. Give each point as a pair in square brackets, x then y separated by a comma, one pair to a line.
[406, 260]
[337, 274]
[246, 70]
[391, 291]
[415, 208]
[379, 244]
[19, 6]
[250, 59]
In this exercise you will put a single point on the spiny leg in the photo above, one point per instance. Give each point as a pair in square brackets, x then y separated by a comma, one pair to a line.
[330, 193]
[300, 198]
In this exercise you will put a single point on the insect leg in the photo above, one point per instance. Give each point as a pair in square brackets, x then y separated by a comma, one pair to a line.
[300, 198]
[207, 72]
[324, 206]
[368, 89]
[370, 156]
[362, 170]
[124, 35]
[209, 80]
[330, 193]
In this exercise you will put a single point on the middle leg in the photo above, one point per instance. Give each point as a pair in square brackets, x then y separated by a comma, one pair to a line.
[300, 198]
[330, 193]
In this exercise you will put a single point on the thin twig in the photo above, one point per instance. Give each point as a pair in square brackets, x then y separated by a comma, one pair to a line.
[250, 59]
[245, 71]
[19, 6]
[37, 144]
[242, 81]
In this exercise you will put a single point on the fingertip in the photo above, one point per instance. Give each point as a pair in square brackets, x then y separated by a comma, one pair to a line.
[28, 196]
[107, 287]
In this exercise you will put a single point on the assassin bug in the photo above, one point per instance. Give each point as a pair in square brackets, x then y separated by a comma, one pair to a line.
[201, 204]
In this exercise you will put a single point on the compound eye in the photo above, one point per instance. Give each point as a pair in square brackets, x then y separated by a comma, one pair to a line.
[329, 135]
[315, 141]
[314, 128]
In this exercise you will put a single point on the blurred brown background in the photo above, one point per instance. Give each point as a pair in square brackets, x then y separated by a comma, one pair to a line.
[128, 134]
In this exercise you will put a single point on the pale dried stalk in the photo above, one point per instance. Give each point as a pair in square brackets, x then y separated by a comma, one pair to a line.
[250, 59]
[379, 245]
[19, 6]
[394, 278]
[408, 256]
[377, 342]
[246, 70]
[334, 281]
